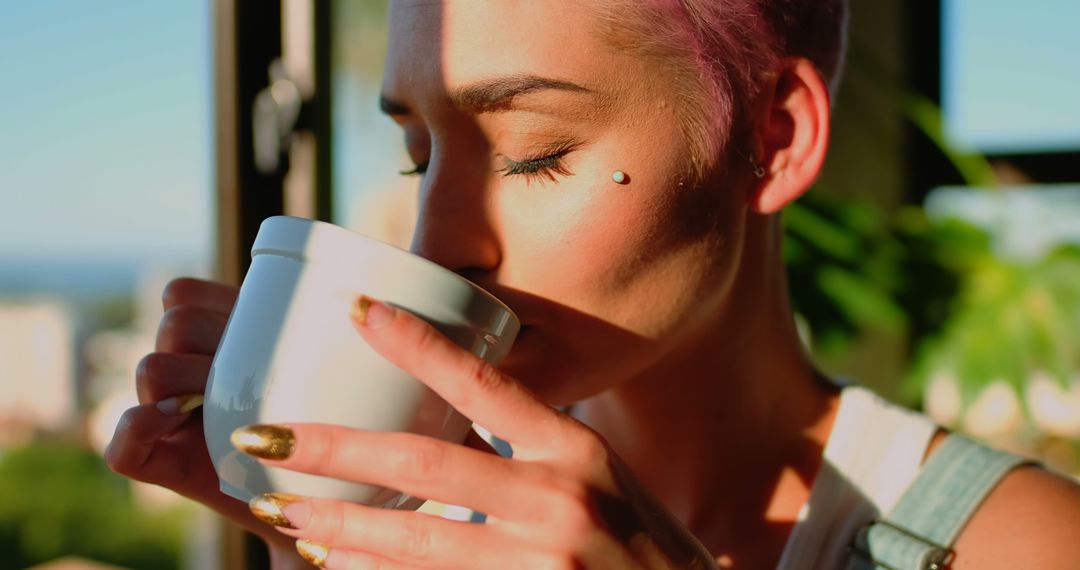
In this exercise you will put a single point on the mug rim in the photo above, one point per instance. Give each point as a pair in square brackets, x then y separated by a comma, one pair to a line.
[342, 234]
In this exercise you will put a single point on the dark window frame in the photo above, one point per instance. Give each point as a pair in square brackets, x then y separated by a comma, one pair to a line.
[247, 37]
[928, 168]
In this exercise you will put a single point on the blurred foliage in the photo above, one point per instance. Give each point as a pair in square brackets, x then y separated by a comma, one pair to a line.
[843, 265]
[57, 499]
[1009, 321]
[973, 167]
[854, 267]
[962, 309]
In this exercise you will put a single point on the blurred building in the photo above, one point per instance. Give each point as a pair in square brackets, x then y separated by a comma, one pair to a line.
[37, 368]
[113, 355]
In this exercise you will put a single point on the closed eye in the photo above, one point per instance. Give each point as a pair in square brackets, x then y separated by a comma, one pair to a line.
[545, 166]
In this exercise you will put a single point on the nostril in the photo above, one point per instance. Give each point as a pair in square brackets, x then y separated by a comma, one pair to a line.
[468, 249]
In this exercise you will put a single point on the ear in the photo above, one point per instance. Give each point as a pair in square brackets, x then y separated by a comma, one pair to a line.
[790, 136]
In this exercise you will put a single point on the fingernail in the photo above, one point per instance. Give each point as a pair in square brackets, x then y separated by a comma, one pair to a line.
[372, 314]
[313, 552]
[177, 405]
[270, 508]
[264, 441]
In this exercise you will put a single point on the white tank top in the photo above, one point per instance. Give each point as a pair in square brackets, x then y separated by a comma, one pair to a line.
[873, 454]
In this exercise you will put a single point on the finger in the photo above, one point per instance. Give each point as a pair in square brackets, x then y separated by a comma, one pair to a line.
[138, 431]
[346, 560]
[417, 465]
[190, 329]
[161, 375]
[341, 559]
[210, 295]
[414, 538]
[170, 451]
[322, 556]
[474, 387]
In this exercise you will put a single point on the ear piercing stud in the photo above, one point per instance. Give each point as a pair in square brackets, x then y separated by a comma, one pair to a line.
[619, 176]
[758, 170]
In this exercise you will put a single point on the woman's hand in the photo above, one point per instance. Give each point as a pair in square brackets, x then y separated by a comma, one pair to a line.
[160, 441]
[564, 500]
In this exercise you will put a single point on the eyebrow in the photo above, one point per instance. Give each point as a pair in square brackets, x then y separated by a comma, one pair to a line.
[493, 95]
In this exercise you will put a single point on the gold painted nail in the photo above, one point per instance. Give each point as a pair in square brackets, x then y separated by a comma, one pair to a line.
[190, 402]
[360, 309]
[264, 441]
[313, 552]
[177, 405]
[269, 508]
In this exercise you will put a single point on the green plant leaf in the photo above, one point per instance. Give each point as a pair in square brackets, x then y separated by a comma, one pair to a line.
[860, 299]
[973, 167]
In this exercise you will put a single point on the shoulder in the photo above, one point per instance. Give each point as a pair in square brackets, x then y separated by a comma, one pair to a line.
[1030, 520]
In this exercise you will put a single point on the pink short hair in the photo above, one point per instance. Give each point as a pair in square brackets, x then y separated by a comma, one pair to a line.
[721, 53]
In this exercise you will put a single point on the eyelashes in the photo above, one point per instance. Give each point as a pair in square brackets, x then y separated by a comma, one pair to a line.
[547, 165]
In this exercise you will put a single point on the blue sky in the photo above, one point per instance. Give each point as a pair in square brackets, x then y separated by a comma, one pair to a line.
[1011, 74]
[106, 141]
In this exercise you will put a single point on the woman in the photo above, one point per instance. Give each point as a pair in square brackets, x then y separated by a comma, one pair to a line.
[613, 171]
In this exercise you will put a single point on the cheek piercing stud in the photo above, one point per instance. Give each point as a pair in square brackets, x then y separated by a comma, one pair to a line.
[619, 176]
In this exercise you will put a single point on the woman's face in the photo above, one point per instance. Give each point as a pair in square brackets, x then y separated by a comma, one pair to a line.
[517, 114]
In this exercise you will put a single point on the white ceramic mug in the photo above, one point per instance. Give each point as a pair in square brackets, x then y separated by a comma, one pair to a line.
[291, 354]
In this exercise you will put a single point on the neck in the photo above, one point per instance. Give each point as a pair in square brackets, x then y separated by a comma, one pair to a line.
[727, 430]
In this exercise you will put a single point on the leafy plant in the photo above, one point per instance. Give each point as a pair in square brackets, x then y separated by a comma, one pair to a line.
[1009, 321]
[843, 264]
[57, 499]
[854, 268]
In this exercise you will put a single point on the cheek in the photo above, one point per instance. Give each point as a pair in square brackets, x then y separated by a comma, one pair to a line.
[591, 243]
[619, 238]
[620, 285]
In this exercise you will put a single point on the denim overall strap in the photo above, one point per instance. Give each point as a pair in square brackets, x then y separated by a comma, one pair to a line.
[919, 532]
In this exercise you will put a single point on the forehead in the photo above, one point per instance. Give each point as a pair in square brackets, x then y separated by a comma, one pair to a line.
[442, 45]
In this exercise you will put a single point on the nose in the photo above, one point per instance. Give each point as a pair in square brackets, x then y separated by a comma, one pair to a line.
[454, 227]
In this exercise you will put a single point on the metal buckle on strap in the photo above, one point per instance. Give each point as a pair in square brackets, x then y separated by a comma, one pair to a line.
[937, 559]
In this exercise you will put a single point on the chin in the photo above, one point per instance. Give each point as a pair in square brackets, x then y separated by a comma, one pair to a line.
[538, 365]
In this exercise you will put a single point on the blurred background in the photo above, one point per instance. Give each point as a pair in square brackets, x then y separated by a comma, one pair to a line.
[937, 261]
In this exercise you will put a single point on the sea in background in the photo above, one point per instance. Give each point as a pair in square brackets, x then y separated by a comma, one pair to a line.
[84, 283]
[68, 278]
